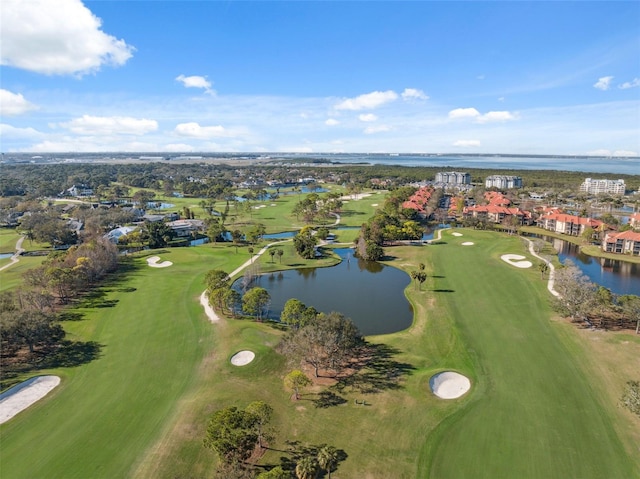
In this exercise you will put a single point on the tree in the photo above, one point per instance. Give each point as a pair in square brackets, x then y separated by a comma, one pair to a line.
[307, 468]
[231, 433]
[631, 308]
[543, 267]
[275, 473]
[236, 237]
[232, 301]
[280, 252]
[327, 342]
[577, 293]
[272, 253]
[158, 234]
[305, 243]
[296, 314]
[328, 457]
[255, 301]
[262, 413]
[30, 328]
[216, 279]
[295, 381]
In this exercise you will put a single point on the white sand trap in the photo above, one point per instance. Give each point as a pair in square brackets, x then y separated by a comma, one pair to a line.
[374, 204]
[515, 260]
[153, 262]
[456, 234]
[242, 358]
[467, 243]
[449, 385]
[23, 395]
[273, 204]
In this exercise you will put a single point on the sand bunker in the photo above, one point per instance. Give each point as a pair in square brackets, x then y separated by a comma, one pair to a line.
[449, 385]
[242, 358]
[456, 234]
[467, 243]
[208, 310]
[24, 395]
[374, 204]
[515, 260]
[153, 262]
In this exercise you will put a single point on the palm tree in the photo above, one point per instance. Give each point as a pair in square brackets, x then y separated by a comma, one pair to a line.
[307, 468]
[272, 252]
[328, 459]
[280, 252]
[543, 267]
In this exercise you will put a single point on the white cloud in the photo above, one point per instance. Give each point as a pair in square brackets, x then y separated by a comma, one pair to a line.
[625, 153]
[11, 132]
[367, 117]
[331, 122]
[413, 94]
[464, 113]
[57, 38]
[195, 81]
[370, 130]
[368, 100]
[494, 116]
[177, 147]
[603, 83]
[110, 125]
[12, 104]
[466, 143]
[630, 84]
[472, 113]
[194, 130]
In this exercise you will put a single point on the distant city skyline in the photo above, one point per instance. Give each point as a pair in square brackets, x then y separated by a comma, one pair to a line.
[523, 77]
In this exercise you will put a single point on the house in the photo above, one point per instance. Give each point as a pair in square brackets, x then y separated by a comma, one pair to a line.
[184, 228]
[418, 201]
[78, 191]
[115, 234]
[568, 224]
[634, 221]
[626, 242]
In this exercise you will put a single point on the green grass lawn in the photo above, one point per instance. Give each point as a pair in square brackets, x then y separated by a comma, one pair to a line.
[140, 409]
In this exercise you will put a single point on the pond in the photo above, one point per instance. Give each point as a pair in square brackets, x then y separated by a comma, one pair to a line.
[620, 277]
[369, 293]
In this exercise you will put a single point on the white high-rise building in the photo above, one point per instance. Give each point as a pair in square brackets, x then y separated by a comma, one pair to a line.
[453, 178]
[595, 187]
[503, 182]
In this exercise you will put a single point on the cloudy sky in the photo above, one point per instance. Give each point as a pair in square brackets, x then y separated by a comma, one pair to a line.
[368, 76]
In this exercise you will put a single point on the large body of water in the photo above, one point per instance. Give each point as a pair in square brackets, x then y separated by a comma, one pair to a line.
[629, 166]
[369, 293]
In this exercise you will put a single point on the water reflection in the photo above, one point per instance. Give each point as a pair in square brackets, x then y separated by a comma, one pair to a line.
[369, 293]
[621, 277]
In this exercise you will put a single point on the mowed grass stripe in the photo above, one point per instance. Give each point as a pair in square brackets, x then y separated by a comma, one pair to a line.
[108, 411]
[538, 416]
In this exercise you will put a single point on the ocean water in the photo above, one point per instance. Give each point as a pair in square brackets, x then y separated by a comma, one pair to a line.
[629, 166]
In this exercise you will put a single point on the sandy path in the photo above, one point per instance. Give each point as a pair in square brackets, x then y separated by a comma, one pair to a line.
[552, 270]
[16, 256]
[20, 397]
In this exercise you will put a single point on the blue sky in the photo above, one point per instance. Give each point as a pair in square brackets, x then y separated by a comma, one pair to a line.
[515, 77]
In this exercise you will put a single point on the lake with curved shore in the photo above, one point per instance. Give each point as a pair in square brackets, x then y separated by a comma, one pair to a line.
[369, 293]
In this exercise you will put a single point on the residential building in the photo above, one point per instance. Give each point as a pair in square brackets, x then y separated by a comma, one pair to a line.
[453, 178]
[634, 220]
[497, 214]
[568, 224]
[596, 187]
[418, 201]
[626, 242]
[184, 228]
[503, 182]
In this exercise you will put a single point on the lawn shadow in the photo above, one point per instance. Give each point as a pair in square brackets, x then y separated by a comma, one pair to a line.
[70, 316]
[72, 353]
[328, 399]
[374, 370]
[443, 290]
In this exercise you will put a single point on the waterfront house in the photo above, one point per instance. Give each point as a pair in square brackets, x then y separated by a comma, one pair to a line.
[625, 242]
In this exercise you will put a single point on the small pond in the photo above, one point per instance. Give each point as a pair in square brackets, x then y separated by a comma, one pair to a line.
[369, 293]
[6, 255]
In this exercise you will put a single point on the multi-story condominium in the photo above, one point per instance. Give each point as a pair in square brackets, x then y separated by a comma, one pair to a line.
[453, 177]
[504, 182]
[568, 224]
[622, 242]
[595, 187]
